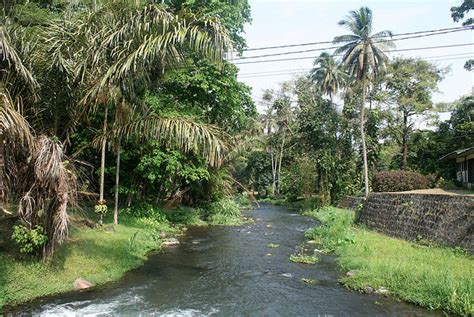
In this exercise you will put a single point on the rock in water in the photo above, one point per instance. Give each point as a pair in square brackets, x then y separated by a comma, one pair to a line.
[82, 283]
[170, 242]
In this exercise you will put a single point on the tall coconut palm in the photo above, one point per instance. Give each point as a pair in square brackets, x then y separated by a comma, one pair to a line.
[328, 75]
[364, 59]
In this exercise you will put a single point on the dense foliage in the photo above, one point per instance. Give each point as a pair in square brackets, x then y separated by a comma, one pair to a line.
[132, 100]
[396, 181]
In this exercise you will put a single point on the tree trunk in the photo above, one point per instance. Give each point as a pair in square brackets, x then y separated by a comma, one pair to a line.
[273, 172]
[405, 142]
[279, 162]
[362, 134]
[102, 156]
[117, 183]
[2, 171]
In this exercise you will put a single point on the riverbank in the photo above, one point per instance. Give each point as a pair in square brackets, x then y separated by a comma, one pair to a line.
[432, 277]
[99, 255]
[103, 254]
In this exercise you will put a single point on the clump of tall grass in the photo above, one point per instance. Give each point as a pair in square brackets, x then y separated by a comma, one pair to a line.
[224, 212]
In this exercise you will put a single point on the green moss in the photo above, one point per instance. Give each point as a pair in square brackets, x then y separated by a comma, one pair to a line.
[433, 277]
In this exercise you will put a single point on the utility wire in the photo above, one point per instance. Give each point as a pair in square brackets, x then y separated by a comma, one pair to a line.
[463, 55]
[388, 51]
[330, 42]
[304, 71]
[335, 47]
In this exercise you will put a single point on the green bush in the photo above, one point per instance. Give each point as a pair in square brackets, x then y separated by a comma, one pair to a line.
[224, 212]
[186, 216]
[445, 184]
[145, 211]
[29, 240]
[395, 181]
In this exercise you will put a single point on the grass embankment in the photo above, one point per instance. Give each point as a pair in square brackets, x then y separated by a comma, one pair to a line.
[103, 254]
[432, 277]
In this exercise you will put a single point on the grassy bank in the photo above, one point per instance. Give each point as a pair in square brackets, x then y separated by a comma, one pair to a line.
[103, 254]
[433, 277]
[95, 254]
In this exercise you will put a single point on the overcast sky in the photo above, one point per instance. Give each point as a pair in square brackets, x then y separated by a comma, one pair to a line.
[280, 22]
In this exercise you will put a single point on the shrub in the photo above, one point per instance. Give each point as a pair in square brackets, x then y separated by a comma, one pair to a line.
[224, 212]
[445, 184]
[186, 215]
[29, 240]
[145, 211]
[395, 181]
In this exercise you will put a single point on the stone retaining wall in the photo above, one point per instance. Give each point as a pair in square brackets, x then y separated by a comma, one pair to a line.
[444, 219]
[350, 202]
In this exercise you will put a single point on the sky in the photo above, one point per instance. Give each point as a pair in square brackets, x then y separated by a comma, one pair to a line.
[281, 22]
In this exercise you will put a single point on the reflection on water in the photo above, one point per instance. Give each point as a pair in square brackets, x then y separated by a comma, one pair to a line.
[229, 271]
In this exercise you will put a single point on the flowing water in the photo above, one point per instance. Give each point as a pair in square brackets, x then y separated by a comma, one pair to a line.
[229, 271]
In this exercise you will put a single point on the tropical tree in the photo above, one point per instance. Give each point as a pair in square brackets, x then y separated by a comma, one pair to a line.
[364, 59]
[34, 167]
[121, 48]
[13, 126]
[458, 13]
[410, 84]
[328, 75]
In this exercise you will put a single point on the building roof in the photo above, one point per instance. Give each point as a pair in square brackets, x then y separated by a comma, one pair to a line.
[458, 153]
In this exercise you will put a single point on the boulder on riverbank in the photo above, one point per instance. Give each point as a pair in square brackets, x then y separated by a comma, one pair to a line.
[82, 283]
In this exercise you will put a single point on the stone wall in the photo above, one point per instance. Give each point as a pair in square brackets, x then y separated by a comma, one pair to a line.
[443, 219]
[350, 202]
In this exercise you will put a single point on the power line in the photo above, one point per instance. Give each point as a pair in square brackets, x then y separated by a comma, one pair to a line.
[388, 51]
[330, 42]
[335, 47]
[303, 71]
[464, 55]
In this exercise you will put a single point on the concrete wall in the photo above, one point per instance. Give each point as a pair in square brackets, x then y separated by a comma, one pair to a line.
[444, 219]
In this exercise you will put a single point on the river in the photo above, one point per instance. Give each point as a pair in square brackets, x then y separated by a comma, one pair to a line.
[228, 271]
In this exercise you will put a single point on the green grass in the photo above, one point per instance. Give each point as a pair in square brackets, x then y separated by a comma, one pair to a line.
[101, 256]
[432, 277]
[305, 259]
[93, 254]
[224, 212]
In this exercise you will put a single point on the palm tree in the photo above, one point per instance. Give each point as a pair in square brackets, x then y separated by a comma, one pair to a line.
[329, 76]
[119, 47]
[364, 59]
[12, 124]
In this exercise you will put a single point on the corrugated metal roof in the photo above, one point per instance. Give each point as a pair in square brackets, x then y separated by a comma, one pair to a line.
[458, 153]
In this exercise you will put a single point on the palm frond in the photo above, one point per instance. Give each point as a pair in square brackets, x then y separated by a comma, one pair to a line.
[181, 133]
[11, 61]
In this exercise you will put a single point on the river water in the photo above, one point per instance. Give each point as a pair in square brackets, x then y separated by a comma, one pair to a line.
[228, 271]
